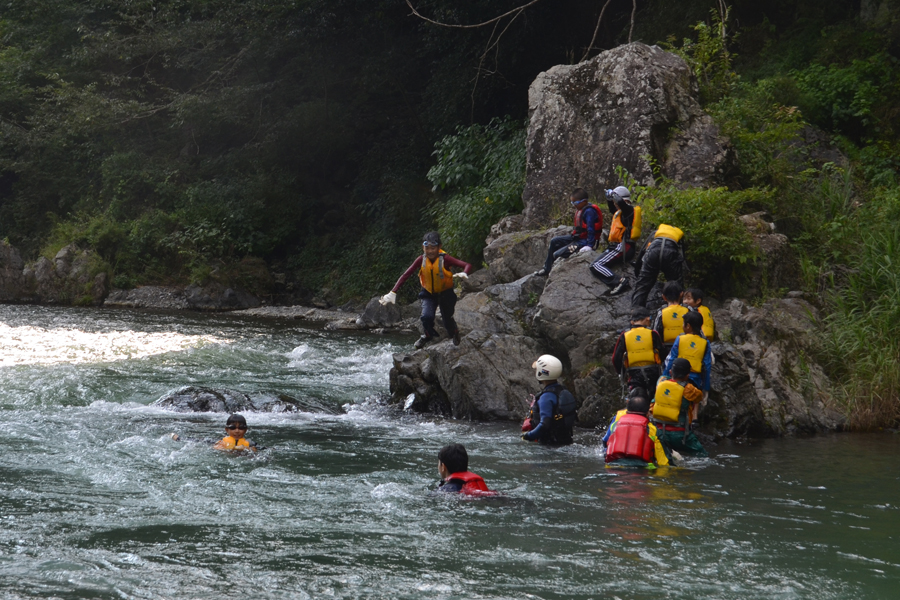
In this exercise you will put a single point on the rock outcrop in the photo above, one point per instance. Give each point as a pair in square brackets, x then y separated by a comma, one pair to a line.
[203, 399]
[621, 108]
[74, 276]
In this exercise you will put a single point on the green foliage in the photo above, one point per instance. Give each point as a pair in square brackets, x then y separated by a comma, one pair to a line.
[482, 171]
[708, 56]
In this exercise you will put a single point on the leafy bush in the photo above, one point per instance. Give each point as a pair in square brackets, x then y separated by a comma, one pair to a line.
[482, 168]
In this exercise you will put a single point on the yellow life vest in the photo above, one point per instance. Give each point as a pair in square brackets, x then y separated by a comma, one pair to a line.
[433, 276]
[693, 348]
[229, 443]
[639, 351]
[667, 405]
[709, 326]
[673, 322]
[617, 229]
[670, 232]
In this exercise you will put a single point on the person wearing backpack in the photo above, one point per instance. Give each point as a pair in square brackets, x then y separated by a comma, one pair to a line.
[552, 415]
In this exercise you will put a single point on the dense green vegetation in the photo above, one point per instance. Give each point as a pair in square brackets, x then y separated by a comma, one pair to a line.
[197, 140]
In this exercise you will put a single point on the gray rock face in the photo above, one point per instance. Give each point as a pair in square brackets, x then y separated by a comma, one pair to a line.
[202, 399]
[515, 255]
[777, 266]
[12, 280]
[210, 298]
[616, 109]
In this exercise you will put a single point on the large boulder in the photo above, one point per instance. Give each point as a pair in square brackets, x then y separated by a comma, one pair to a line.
[203, 399]
[511, 256]
[74, 276]
[626, 107]
[506, 308]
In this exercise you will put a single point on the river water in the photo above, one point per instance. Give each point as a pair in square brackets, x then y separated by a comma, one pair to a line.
[99, 502]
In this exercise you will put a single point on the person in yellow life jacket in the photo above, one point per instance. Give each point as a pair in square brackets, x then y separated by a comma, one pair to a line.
[662, 252]
[669, 320]
[631, 439]
[234, 440]
[436, 278]
[674, 410]
[584, 236]
[638, 352]
[624, 231]
[693, 346]
[453, 467]
[693, 300]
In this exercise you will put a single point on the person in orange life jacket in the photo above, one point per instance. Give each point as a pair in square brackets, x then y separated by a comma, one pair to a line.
[662, 252]
[437, 288]
[669, 320]
[674, 409]
[621, 246]
[693, 300]
[453, 467]
[631, 439]
[638, 352]
[551, 418]
[585, 235]
[696, 349]
[234, 440]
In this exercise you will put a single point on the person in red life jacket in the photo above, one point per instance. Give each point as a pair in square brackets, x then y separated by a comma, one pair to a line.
[623, 232]
[693, 300]
[662, 252]
[638, 352]
[674, 408]
[631, 439]
[585, 235]
[551, 418]
[669, 320]
[437, 288]
[453, 466]
[694, 347]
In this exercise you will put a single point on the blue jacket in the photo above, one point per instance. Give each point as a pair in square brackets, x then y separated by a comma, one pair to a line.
[701, 379]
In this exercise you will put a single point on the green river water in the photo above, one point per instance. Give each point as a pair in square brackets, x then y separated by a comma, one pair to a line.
[99, 502]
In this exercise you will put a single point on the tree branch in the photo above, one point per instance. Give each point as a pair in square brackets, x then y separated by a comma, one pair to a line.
[488, 22]
[596, 29]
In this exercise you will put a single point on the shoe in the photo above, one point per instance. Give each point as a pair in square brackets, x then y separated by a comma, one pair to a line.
[620, 287]
[456, 337]
[541, 272]
[420, 343]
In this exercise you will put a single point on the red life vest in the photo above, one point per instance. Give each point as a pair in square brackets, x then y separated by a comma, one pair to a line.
[473, 485]
[580, 230]
[630, 439]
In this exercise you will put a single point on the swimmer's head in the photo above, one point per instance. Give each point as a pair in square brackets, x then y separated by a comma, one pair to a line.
[454, 458]
[236, 424]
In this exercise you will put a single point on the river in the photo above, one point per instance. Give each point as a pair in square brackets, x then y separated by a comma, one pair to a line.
[99, 502]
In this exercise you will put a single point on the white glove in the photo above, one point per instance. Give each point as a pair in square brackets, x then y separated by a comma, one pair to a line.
[705, 399]
[460, 275]
[389, 298]
[585, 249]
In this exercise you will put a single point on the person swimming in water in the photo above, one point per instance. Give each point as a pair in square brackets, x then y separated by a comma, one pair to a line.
[234, 440]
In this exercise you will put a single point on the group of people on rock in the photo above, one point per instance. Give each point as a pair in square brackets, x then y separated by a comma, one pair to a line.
[664, 359]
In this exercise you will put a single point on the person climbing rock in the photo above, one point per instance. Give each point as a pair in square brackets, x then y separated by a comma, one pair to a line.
[584, 236]
[662, 252]
[674, 409]
[437, 288]
[631, 439]
[638, 352]
[551, 418]
[624, 231]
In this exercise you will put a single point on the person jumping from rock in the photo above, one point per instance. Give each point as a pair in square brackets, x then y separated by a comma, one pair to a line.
[437, 288]
[663, 251]
[552, 416]
[624, 230]
[585, 235]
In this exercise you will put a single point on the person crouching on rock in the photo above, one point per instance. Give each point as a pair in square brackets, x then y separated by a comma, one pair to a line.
[437, 288]
[632, 439]
[584, 236]
[552, 415]
[453, 467]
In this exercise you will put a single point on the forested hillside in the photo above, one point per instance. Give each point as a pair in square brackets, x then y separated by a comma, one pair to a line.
[317, 139]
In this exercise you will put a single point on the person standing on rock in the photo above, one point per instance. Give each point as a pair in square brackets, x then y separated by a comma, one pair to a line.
[662, 252]
[585, 235]
[693, 346]
[437, 288]
[624, 230]
[638, 353]
[552, 416]
[669, 320]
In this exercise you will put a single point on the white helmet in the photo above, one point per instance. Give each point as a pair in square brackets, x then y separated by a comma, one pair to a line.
[622, 192]
[547, 368]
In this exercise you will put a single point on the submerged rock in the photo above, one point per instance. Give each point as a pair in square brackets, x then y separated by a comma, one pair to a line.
[202, 399]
